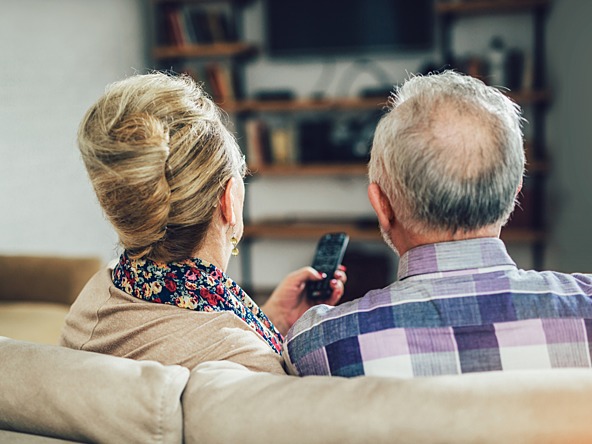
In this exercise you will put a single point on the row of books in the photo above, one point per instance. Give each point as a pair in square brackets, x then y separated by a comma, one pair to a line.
[191, 24]
[218, 79]
[267, 144]
[311, 140]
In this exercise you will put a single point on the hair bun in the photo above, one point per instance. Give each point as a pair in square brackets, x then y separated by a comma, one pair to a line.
[128, 172]
[141, 129]
[125, 140]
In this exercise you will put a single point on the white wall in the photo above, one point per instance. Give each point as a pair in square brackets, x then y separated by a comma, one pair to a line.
[56, 58]
[569, 126]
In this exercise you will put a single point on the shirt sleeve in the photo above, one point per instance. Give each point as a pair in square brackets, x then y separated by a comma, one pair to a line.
[304, 346]
[288, 364]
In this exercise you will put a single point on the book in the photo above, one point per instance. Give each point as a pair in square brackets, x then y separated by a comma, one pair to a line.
[283, 145]
[176, 30]
[219, 26]
[198, 27]
[221, 81]
[257, 143]
[206, 26]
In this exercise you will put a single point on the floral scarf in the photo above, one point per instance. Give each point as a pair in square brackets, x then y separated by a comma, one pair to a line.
[196, 285]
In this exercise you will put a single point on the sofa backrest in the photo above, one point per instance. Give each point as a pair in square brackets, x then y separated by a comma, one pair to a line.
[226, 403]
[89, 397]
[45, 279]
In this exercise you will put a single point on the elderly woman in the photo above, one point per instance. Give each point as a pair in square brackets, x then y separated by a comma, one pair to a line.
[169, 177]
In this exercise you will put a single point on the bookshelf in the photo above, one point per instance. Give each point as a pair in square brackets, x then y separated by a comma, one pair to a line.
[358, 231]
[202, 38]
[218, 60]
[488, 6]
[334, 170]
[235, 49]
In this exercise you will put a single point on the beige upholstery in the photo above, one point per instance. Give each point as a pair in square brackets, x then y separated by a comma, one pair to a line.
[83, 396]
[36, 293]
[39, 322]
[522, 407]
[8, 437]
[88, 397]
[44, 279]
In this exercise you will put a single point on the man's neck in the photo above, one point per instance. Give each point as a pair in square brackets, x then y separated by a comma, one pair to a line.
[405, 240]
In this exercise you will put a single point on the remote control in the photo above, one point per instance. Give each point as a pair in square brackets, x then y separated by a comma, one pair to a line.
[328, 256]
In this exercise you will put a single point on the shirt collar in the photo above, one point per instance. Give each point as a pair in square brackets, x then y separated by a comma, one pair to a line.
[471, 255]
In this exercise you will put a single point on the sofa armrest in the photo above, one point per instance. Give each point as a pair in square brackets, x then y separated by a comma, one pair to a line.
[527, 407]
[88, 397]
[45, 279]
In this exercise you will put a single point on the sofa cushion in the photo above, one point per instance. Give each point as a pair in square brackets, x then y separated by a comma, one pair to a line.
[224, 402]
[39, 322]
[89, 397]
[10, 437]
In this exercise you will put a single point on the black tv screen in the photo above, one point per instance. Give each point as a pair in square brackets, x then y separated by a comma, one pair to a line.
[334, 27]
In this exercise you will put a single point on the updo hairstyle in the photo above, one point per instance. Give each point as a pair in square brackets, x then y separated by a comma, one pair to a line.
[158, 156]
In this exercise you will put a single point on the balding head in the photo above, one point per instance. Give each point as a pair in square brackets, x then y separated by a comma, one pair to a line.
[449, 154]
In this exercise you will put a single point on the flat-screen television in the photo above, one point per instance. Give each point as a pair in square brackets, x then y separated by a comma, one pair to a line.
[347, 27]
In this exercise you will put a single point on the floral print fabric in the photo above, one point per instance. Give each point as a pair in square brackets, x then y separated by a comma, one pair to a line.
[193, 284]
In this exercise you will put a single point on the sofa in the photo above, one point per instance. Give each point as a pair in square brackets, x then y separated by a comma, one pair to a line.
[37, 291]
[50, 394]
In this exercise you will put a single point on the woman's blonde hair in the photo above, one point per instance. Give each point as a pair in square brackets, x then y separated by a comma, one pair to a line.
[158, 156]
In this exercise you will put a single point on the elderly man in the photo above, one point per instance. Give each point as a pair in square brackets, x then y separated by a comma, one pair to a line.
[446, 166]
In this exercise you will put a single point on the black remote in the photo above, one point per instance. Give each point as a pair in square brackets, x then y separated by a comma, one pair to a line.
[328, 256]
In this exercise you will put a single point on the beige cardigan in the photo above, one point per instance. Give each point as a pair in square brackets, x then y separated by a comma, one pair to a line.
[107, 320]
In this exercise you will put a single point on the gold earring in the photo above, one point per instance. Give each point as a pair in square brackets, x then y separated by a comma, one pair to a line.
[234, 242]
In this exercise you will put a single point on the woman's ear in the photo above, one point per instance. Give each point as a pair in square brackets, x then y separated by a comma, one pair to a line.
[227, 202]
[382, 206]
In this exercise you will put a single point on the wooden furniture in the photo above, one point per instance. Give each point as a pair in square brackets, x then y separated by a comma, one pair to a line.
[177, 47]
[174, 46]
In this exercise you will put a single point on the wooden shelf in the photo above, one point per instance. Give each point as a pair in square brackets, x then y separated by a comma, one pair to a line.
[534, 165]
[349, 104]
[354, 169]
[358, 232]
[530, 97]
[467, 7]
[206, 51]
[299, 105]
[238, 2]
[309, 230]
[335, 170]
[537, 166]
[522, 235]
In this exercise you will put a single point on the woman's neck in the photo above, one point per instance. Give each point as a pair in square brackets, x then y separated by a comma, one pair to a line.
[215, 250]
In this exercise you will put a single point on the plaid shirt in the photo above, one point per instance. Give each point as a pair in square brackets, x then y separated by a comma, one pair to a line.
[457, 307]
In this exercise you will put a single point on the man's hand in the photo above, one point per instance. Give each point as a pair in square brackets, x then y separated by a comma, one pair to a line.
[288, 301]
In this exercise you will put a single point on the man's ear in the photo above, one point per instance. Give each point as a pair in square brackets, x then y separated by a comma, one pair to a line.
[519, 188]
[382, 206]
[227, 202]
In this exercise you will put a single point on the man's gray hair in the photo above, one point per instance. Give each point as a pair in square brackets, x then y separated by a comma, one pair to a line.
[449, 154]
